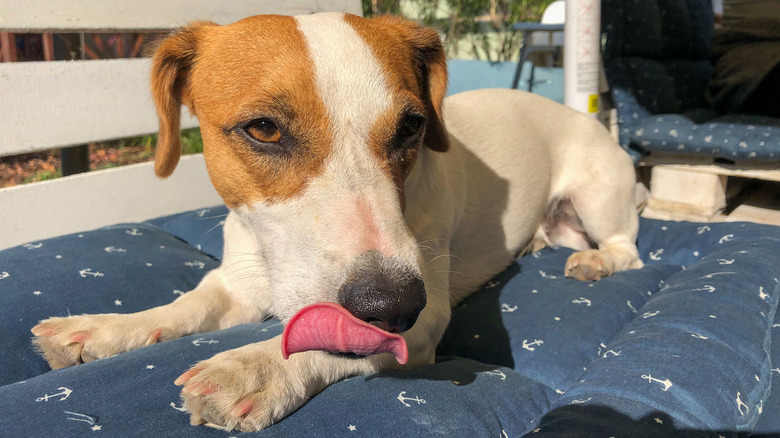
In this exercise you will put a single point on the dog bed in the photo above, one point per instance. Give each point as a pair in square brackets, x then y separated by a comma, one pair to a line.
[682, 347]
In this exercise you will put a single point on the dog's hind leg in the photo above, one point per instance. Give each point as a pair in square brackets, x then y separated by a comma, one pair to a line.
[603, 227]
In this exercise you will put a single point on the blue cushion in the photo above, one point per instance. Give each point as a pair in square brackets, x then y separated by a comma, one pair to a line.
[769, 425]
[740, 138]
[122, 269]
[682, 344]
[659, 29]
[656, 59]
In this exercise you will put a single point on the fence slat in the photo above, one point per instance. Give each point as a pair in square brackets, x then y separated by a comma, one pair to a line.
[64, 103]
[147, 15]
[105, 197]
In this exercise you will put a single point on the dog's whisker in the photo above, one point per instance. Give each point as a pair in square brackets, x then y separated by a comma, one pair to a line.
[444, 255]
[449, 271]
[219, 224]
[429, 240]
[211, 217]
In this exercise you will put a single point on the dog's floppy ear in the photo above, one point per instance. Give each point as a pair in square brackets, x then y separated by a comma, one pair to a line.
[171, 67]
[432, 65]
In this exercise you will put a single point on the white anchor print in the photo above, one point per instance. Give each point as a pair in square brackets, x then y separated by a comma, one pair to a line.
[650, 314]
[706, 288]
[613, 352]
[199, 341]
[200, 213]
[32, 245]
[496, 373]
[4, 275]
[656, 255]
[64, 392]
[718, 273]
[531, 346]
[182, 408]
[741, 404]
[110, 249]
[134, 232]
[579, 402]
[761, 293]
[582, 300]
[196, 264]
[633, 309]
[545, 275]
[666, 382]
[703, 229]
[401, 398]
[776, 370]
[88, 271]
[178, 292]
[86, 418]
[507, 308]
[265, 329]
[725, 262]
[698, 336]
[726, 238]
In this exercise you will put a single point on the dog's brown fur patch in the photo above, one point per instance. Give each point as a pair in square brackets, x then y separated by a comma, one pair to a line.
[415, 67]
[252, 69]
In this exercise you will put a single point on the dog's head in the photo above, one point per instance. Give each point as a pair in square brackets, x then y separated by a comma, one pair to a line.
[311, 126]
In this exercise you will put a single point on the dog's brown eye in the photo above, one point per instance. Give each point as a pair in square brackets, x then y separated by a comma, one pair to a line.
[411, 125]
[264, 131]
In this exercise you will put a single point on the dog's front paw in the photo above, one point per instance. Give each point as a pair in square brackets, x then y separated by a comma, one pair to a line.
[83, 338]
[588, 265]
[248, 388]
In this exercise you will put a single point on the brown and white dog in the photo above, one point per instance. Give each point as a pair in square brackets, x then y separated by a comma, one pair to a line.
[355, 217]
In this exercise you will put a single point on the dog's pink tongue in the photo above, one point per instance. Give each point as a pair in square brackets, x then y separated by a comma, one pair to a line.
[330, 327]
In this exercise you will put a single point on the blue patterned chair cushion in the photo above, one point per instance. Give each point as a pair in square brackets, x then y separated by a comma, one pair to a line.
[656, 58]
[681, 347]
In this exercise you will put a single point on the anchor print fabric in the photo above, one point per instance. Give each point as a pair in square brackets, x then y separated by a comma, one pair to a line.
[682, 347]
[656, 60]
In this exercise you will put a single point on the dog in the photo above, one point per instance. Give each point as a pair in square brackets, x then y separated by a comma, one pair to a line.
[356, 217]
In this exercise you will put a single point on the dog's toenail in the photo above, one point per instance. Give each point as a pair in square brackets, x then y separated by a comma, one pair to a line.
[242, 408]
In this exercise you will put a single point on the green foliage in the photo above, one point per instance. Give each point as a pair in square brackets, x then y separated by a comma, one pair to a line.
[480, 29]
[43, 176]
[373, 8]
[191, 141]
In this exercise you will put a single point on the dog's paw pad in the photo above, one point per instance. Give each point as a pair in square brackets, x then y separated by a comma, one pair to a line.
[246, 389]
[587, 266]
[78, 339]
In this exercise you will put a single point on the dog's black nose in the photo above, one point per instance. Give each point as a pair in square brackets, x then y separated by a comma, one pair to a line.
[389, 299]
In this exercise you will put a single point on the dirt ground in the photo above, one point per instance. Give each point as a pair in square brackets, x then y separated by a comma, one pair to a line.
[39, 166]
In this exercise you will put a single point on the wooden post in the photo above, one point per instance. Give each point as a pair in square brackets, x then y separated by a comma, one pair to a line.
[75, 160]
[683, 194]
[7, 47]
[48, 46]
